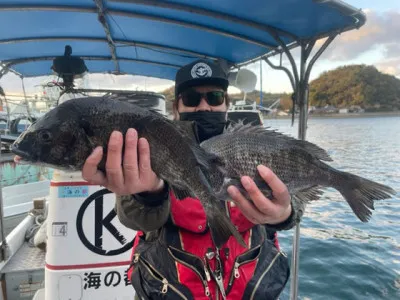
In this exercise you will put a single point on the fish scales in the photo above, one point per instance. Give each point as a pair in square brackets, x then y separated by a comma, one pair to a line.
[65, 136]
[298, 164]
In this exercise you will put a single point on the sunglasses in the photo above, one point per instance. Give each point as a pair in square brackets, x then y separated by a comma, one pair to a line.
[191, 98]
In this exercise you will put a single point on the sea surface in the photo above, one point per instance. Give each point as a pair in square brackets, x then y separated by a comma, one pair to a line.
[341, 257]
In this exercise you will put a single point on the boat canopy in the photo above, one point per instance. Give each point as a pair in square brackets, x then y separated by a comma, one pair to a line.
[155, 38]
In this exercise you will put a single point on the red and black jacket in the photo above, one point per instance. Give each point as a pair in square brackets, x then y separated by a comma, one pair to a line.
[181, 261]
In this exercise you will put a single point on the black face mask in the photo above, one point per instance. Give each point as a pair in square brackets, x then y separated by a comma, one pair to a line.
[209, 123]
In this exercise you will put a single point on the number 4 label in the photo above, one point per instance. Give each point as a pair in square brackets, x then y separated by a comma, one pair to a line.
[60, 228]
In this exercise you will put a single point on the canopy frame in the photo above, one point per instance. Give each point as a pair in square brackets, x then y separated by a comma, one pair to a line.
[102, 19]
[183, 52]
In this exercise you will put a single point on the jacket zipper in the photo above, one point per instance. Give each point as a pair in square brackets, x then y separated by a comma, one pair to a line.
[263, 274]
[204, 281]
[136, 259]
[164, 281]
[235, 273]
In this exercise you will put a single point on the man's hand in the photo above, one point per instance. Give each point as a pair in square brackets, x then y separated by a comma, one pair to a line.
[132, 175]
[263, 210]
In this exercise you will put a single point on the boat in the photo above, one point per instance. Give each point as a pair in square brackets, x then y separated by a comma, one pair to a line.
[82, 258]
[244, 112]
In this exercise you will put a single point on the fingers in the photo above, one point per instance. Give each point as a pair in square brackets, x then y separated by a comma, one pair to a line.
[131, 170]
[134, 176]
[114, 171]
[263, 204]
[261, 210]
[246, 207]
[89, 170]
[145, 170]
[279, 189]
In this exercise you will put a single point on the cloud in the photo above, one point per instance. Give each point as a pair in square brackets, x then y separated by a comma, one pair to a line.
[390, 66]
[12, 83]
[381, 31]
[107, 81]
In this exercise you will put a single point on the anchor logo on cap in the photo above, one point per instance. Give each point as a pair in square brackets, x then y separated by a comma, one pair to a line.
[201, 70]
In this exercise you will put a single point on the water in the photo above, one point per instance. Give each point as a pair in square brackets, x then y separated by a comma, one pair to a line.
[341, 257]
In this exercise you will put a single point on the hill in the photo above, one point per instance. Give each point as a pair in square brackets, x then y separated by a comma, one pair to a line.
[344, 87]
[360, 85]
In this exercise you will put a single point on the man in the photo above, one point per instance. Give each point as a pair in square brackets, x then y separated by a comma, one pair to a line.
[173, 255]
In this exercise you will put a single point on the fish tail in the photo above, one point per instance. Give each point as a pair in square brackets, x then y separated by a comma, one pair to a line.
[222, 229]
[361, 193]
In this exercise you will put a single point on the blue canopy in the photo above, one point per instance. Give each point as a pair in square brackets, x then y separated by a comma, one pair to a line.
[155, 38]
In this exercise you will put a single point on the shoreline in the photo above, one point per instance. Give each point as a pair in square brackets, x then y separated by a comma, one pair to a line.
[341, 116]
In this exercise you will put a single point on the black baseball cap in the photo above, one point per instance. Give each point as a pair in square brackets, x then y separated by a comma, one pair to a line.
[200, 72]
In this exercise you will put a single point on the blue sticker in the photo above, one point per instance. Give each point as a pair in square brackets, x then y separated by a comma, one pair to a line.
[73, 191]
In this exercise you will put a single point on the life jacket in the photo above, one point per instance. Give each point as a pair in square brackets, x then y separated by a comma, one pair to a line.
[183, 262]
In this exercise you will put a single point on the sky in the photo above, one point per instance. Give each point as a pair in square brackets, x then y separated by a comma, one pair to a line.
[376, 43]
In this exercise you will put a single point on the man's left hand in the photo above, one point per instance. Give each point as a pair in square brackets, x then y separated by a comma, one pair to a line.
[263, 210]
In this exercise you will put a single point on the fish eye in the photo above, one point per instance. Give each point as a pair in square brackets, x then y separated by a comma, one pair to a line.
[44, 136]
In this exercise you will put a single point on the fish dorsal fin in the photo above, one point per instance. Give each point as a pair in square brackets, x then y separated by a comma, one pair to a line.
[311, 148]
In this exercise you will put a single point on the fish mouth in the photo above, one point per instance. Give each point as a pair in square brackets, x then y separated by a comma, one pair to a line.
[24, 157]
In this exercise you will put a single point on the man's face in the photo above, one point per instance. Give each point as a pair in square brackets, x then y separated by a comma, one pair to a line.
[203, 105]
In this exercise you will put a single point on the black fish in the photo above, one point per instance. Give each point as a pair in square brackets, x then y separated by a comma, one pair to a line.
[65, 136]
[299, 164]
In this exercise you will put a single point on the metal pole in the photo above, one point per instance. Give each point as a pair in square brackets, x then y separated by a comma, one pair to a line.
[26, 100]
[106, 26]
[301, 93]
[261, 81]
[4, 249]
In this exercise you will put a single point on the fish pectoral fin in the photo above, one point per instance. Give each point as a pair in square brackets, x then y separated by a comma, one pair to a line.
[261, 184]
[207, 160]
[221, 229]
[223, 195]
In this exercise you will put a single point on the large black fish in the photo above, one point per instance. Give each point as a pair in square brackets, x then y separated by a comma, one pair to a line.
[65, 136]
[297, 163]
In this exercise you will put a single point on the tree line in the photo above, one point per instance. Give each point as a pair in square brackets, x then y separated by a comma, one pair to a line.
[343, 87]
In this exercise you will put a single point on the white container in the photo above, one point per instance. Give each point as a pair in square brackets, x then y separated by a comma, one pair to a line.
[88, 249]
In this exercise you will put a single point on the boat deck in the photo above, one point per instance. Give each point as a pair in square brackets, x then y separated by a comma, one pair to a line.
[27, 258]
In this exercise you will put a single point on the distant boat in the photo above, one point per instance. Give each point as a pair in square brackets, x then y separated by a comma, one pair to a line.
[242, 110]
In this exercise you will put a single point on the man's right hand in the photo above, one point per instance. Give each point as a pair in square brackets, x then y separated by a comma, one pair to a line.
[132, 175]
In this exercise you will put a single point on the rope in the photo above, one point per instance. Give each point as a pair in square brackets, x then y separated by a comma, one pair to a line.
[40, 218]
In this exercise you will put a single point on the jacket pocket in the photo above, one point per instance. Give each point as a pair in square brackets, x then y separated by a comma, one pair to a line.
[150, 283]
[270, 275]
[194, 263]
